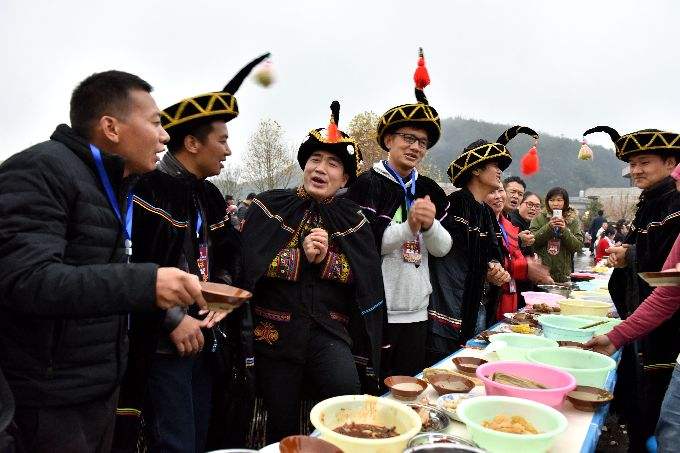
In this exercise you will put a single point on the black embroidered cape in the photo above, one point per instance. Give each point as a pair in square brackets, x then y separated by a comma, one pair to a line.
[647, 364]
[458, 278]
[380, 197]
[164, 213]
[275, 216]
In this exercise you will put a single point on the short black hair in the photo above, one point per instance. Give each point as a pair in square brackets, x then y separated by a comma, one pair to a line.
[228, 197]
[528, 194]
[102, 93]
[600, 212]
[557, 191]
[198, 129]
[516, 179]
[251, 195]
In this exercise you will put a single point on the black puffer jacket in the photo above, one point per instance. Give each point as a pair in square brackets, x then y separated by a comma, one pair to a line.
[64, 288]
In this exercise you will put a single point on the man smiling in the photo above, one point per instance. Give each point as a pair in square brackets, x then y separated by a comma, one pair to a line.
[403, 207]
[647, 364]
[180, 218]
[315, 275]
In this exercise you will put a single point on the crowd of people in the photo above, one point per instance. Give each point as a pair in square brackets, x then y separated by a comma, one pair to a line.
[107, 343]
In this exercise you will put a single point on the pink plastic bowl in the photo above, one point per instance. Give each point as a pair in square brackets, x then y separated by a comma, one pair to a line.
[559, 382]
[533, 297]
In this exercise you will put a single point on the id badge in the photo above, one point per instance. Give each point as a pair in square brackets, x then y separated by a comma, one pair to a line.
[410, 251]
[554, 247]
[202, 261]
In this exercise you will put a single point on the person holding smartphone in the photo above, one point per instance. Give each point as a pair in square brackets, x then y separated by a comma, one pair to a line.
[558, 235]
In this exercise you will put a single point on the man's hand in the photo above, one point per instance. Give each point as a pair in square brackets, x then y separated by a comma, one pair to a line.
[496, 275]
[617, 255]
[527, 238]
[176, 288]
[557, 222]
[187, 336]
[213, 317]
[601, 344]
[423, 211]
[538, 273]
[315, 245]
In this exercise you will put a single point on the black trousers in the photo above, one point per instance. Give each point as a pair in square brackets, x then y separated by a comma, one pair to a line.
[81, 428]
[328, 371]
[406, 354]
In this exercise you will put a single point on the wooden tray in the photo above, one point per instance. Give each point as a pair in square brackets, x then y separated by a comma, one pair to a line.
[220, 296]
[671, 278]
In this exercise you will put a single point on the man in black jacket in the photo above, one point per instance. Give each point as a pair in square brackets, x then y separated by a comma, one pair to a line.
[65, 277]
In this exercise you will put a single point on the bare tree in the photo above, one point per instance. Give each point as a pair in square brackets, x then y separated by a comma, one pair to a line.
[229, 181]
[620, 206]
[267, 163]
[363, 129]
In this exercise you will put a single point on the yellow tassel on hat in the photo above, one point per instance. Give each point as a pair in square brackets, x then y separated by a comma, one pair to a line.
[585, 153]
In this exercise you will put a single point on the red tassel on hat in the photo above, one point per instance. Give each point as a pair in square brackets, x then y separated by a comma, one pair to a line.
[530, 163]
[421, 77]
[333, 135]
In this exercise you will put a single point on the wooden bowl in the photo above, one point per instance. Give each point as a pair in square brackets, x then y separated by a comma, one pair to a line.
[302, 444]
[588, 399]
[451, 383]
[223, 297]
[405, 387]
[468, 364]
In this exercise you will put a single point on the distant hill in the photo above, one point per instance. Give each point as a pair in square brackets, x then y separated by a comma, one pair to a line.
[559, 163]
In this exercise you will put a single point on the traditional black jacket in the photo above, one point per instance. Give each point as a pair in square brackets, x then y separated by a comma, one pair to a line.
[652, 234]
[166, 206]
[342, 295]
[380, 197]
[458, 278]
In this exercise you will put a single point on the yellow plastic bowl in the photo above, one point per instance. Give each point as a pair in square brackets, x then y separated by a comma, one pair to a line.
[584, 307]
[333, 412]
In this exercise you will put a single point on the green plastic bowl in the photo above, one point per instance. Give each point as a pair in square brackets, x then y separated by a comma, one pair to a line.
[602, 329]
[549, 422]
[561, 328]
[515, 346]
[588, 367]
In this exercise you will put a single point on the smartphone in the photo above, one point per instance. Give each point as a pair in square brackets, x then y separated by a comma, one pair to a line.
[557, 213]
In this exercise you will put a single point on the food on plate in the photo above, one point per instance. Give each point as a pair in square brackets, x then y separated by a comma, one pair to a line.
[523, 328]
[545, 308]
[514, 424]
[589, 396]
[516, 381]
[366, 431]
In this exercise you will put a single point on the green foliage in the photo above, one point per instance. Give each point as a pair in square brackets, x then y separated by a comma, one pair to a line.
[559, 163]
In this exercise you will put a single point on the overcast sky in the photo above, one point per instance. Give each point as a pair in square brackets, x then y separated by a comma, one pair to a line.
[556, 66]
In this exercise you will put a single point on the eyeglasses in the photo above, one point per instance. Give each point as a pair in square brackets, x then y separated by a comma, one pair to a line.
[532, 205]
[411, 139]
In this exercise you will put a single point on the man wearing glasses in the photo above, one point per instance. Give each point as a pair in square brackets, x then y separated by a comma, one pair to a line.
[403, 208]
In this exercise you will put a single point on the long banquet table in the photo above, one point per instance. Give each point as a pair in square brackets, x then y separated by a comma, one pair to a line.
[584, 428]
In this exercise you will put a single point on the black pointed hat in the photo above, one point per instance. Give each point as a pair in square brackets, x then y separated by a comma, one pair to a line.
[646, 141]
[333, 140]
[219, 105]
[420, 114]
[483, 151]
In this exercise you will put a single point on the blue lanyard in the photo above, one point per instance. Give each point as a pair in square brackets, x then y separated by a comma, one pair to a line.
[104, 177]
[504, 233]
[394, 174]
[199, 223]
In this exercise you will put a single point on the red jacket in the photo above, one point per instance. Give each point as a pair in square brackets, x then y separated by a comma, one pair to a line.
[603, 245]
[515, 264]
